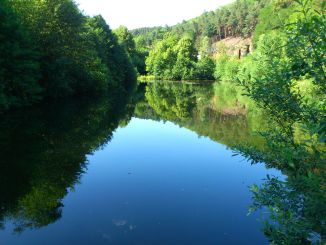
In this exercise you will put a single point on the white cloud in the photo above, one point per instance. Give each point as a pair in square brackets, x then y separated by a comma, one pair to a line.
[142, 13]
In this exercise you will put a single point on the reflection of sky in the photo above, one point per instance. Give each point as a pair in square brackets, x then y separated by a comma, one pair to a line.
[156, 183]
[143, 13]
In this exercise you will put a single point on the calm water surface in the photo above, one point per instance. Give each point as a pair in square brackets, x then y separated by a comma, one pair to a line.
[93, 173]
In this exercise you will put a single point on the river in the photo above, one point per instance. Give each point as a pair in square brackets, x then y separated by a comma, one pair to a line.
[160, 169]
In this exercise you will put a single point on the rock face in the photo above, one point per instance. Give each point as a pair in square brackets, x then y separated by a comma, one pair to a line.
[236, 46]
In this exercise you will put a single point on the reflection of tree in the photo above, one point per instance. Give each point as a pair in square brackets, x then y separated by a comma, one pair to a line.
[297, 205]
[171, 101]
[190, 106]
[43, 154]
[297, 208]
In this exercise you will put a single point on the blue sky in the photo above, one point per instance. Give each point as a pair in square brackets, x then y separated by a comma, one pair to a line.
[141, 13]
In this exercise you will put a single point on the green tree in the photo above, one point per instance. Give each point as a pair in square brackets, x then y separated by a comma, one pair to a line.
[186, 57]
[50, 49]
[296, 139]
[137, 53]
[125, 39]
[113, 55]
[204, 69]
[56, 27]
[162, 58]
[19, 67]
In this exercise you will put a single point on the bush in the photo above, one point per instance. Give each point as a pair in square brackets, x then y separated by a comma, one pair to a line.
[227, 68]
[205, 69]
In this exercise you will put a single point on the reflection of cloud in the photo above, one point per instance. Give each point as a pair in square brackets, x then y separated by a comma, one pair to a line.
[119, 222]
[105, 236]
[124, 224]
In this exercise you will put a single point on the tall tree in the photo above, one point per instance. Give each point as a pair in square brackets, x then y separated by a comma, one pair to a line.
[19, 69]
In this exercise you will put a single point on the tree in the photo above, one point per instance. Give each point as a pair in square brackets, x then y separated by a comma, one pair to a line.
[56, 26]
[125, 39]
[19, 67]
[205, 69]
[137, 53]
[162, 58]
[186, 57]
[296, 139]
[113, 55]
[50, 49]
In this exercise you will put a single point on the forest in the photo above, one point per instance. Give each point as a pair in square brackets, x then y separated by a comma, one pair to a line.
[50, 49]
[197, 49]
[93, 59]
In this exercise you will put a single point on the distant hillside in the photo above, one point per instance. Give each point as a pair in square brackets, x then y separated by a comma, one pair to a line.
[190, 50]
[238, 19]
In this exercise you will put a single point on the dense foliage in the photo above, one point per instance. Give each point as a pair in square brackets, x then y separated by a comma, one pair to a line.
[136, 53]
[238, 19]
[49, 49]
[176, 59]
[19, 68]
[241, 19]
[285, 76]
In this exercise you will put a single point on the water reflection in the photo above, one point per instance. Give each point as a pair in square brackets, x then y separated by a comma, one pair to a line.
[193, 106]
[44, 154]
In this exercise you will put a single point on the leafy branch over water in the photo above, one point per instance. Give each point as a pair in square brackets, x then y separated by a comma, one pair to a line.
[296, 142]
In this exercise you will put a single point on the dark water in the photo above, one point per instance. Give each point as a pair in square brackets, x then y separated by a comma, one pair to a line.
[157, 169]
